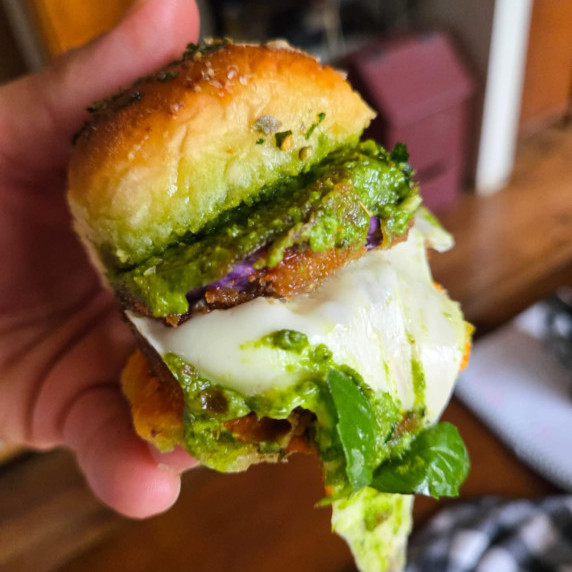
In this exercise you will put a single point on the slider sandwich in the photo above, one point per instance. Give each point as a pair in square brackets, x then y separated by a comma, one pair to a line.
[273, 268]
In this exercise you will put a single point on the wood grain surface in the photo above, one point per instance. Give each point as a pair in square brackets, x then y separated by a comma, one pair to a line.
[512, 249]
[547, 90]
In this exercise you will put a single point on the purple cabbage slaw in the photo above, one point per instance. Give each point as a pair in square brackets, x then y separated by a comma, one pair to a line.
[239, 277]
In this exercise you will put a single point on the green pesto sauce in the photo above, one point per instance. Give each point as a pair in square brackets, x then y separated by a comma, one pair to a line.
[327, 207]
[289, 340]
[419, 384]
[204, 48]
[208, 405]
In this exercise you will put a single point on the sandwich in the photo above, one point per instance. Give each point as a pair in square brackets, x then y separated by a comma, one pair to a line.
[272, 266]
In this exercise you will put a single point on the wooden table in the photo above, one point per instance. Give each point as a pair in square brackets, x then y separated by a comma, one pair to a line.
[512, 249]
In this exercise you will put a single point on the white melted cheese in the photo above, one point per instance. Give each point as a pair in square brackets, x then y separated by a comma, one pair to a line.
[378, 315]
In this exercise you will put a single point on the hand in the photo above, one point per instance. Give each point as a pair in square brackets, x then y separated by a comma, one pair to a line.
[62, 341]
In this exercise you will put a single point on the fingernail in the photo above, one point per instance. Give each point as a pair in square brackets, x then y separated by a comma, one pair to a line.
[164, 467]
[176, 460]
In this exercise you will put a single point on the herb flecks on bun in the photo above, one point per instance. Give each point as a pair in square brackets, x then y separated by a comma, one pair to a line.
[171, 153]
[273, 268]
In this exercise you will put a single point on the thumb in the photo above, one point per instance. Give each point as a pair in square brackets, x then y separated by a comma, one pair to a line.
[40, 113]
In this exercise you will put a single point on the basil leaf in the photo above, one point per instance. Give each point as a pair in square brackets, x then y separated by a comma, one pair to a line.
[356, 427]
[435, 464]
[399, 154]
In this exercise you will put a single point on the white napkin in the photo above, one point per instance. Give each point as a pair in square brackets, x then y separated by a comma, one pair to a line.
[524, 394]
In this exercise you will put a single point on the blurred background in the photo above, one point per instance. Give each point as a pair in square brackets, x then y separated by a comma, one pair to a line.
[481, 93]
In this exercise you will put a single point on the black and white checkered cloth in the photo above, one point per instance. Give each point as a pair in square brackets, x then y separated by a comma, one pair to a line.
[496, 535]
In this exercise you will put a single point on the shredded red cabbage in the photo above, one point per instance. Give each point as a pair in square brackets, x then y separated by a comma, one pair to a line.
[238, 277]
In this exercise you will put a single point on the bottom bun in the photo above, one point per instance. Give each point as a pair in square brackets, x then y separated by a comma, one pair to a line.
[156, 407]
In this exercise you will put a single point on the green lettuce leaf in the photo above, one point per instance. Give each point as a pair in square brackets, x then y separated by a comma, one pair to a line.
[375, 525]
[436, 464]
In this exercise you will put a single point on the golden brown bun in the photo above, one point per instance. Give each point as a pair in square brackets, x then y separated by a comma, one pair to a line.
[177, 148]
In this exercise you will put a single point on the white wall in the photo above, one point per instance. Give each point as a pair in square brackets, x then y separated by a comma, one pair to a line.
[503, 95]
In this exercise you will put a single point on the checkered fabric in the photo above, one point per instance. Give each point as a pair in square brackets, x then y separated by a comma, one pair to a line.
[496, 535]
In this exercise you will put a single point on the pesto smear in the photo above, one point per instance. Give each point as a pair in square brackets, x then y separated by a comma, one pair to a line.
[374, 455]
[335, 393]
[363, 437]
[330, 206]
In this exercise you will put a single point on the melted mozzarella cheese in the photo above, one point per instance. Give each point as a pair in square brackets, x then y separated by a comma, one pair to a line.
[381, 315]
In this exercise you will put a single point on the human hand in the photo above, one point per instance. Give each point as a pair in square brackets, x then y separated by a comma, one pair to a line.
[62, 341]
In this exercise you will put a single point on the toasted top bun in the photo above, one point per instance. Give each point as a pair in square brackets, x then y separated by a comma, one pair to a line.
[204, 134]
